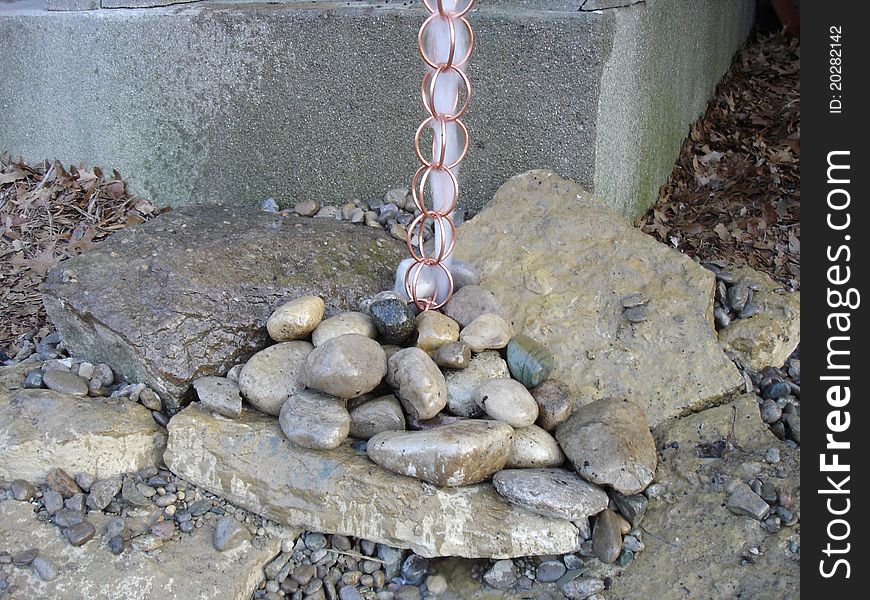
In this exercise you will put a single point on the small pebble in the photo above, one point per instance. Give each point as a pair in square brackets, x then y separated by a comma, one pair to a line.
[33, 379]
[80, 533]
[22, 490]
[45, 568]
[65, 383]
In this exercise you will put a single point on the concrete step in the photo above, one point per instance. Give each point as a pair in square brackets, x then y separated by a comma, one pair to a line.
[230, 102]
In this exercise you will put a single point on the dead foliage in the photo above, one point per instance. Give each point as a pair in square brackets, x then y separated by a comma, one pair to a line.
[734, 194]
[48, 213]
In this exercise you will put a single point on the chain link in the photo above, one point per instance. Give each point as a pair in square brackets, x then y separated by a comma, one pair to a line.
[445, 127]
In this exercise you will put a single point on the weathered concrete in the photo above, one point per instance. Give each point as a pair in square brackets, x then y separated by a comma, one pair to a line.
[223, 102]
[187, 567]
[42, 430]
[188, 294]
[249, 462]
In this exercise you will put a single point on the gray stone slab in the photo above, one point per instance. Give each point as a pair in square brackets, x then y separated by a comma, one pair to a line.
[70, 5]
[188, 294]
[249, 462]
[232, 102]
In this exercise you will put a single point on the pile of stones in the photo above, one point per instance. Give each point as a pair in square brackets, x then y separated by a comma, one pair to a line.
[733, 296]
[451, 398]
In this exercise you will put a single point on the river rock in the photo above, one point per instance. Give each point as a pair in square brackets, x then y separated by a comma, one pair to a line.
[487, 332]
[554, 403]
[534, 447]
[470, 302]
[462, 385]
[220, 395]
[610, 443]
[607, 536]
[670, 364]
[342, 491]
[529, 362]
[393, 318]
[188, 294]
[62, 483]
[311, 419]
[507, 400]
[771, 335]
[375, 416]
[451, 455]
[296, 319]
[553, 493]
[65, 382]
[346, 366]
[41, 430]
[343, 324]
[271, 375]
[453, 355]
[418, 382]
[434, 330]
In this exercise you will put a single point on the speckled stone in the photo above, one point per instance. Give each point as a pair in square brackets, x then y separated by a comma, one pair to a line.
[556, 493]
[454, 355]
[393, 318]
[418, 382]
[529, 361]
[314, 420]
[434, 330]
[534, 448]
[554, 403]
[296, 319]
[220, 395]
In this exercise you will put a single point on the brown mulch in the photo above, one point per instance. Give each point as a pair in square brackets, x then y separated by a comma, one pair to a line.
[734, 193]
[48, 213]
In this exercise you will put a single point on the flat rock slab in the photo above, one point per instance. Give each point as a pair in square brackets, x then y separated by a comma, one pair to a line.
[560, 261]
[694, 544]
[186, 567]
[41, 430]
[769, 337]
[249, 462]
[188, 294]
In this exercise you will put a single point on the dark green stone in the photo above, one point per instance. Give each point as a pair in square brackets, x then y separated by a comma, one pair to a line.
[393, 319]
[530, 362]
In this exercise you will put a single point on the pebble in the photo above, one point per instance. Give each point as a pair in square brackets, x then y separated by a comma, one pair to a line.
[76, 502]
[501, 575]
[85, 481]
[607, 536]
[219, 395]
[296, 319]
[550, 571]
[392, 316]
[150, 400]
[306, 208]
[434, 330]
[22, 490]
[104, 373]
[147, 542]
[315, 541]
[572, 562]
[131, 494]
[67, 517]
[555, 493]
[345, 367]
[738, 295]
[529, 362]
[453, 355]
[582, 588]
[343, 324]
[33, 380]
[509, 401]
[375, 416]
[720, 315]
[632, 507]
[311, 419]
[636, 314]
[772, 456]
[470, 302]
[52, 500]
[533, 447]
[160, 418]
[636, 299]
[45, 568]
[115, 526]
[408, 592]
[62, 483]
[792, 426]
[743, 501]
[103, 492]
[65, 383]
[229, 534]
[271, 375]
[419, 384]
[163, 529]
[770, 411]
[80, 533]
[303, 574]
[487, 332]
[349, 593]
[554, 403]
[777, 390]
[25, 557]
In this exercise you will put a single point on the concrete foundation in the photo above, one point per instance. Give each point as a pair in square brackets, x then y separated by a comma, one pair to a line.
[231, 102]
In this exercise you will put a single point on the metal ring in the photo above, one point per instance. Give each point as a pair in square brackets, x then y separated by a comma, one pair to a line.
[440, 164]
[418, 184]
[431, 77]
[451, 26]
